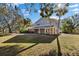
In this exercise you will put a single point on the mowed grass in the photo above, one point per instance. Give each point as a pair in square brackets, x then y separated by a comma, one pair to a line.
[27, 44]
[69, 44]
[38, 45]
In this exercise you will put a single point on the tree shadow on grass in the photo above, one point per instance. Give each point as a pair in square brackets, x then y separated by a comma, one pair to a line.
[14, 50]
[32, 39]
[8, 50]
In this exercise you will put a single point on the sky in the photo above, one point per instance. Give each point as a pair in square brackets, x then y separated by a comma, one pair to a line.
[72, 9]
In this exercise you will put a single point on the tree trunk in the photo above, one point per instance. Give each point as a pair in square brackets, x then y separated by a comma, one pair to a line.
[58, 43]
[8, 26]
[3, 30]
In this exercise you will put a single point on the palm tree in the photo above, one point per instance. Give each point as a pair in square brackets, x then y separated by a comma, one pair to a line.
[61, 10]
[46, 11]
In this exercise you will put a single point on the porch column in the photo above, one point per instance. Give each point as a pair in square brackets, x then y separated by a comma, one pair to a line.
[53, 30]
[45, 30]
[39, 30]
[50, 30]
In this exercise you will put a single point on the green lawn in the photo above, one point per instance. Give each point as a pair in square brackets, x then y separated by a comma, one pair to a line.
[35, 44]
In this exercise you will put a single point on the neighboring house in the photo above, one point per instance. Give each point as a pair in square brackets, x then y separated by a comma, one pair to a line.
[45, 26]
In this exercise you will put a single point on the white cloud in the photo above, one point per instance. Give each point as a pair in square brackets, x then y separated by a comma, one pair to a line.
[76, 5]
[16, 4]
[23, 11]
[27, 14]
[55, 17]
[76, 9]
[39, 11]
[76, 12]
[59, 5]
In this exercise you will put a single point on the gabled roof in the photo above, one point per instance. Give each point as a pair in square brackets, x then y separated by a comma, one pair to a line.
[45, 22]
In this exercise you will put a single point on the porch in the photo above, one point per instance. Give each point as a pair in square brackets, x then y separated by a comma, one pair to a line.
[45, 30]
